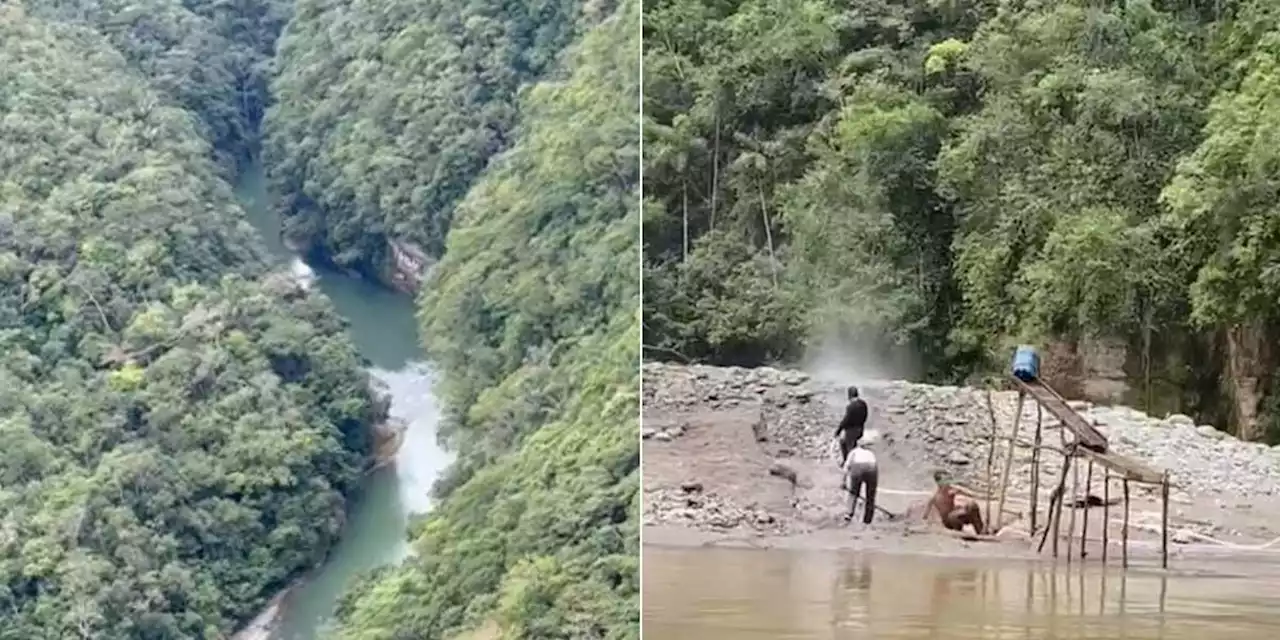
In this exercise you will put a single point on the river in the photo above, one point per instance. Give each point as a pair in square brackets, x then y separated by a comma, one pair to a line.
[744, 594]
[383, 328]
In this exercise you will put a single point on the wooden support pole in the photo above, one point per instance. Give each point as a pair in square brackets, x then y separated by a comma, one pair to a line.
[1061, 491]
[991, 455]
[1124, 529]
[1052, 515]
[1164, 522]
[1071, 522]
[1035, 470]
[1084, 531]
[1106, 513]
[1044, 536]
[1008, 464]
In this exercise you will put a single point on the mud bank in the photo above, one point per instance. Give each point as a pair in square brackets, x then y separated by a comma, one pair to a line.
[747, 457]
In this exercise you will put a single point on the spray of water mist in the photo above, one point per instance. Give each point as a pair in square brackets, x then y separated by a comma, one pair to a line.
[862, 358]
[843, 357]
[302, 272]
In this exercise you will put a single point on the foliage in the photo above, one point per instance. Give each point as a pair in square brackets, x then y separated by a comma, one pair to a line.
[1224, 197]
[861, 231]
[1090, 115]
[532, 317]
[956, 176]
[764, 127]
[207, 57]
[386, 111]
[180, 426]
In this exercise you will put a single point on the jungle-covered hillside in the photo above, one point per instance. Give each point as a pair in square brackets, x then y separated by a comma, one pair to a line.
[180, 427]
[387, 111]
[183, 426]
[532, 315]
[209, 57]
[947, 179]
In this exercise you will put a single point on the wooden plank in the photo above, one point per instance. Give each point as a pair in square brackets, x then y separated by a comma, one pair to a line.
[1086, 434]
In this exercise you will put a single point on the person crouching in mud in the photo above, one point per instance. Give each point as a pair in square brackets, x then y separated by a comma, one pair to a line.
[861, 470]
[852, 425]
[955, 514]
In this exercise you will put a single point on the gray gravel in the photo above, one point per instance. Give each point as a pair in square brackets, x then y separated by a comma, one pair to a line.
[927, 427]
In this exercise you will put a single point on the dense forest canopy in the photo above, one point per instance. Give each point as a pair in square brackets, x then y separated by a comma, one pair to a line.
[208, 57]
[386, 111]
[951, 178]
[181, 427]
[184, 426]
[532, 315]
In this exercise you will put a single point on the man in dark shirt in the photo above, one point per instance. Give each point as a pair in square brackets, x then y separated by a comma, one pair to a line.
[852, 425]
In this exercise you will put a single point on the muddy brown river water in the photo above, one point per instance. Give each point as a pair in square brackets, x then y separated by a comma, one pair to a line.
[742, 594]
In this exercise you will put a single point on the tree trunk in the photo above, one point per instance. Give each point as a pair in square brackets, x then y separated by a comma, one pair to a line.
[1147, 328]
[1103, 377]
[715, 172]
[768, 234]
[685, 197]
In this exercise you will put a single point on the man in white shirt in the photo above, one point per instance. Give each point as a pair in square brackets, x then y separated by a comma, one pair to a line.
[861, 470]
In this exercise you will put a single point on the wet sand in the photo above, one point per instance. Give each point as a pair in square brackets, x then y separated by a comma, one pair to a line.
[934, 543]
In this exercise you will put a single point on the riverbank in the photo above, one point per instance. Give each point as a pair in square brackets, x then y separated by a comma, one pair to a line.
[745, 457]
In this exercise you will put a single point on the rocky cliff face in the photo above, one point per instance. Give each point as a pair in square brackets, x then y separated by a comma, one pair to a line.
[1092, 369]
[1246, 367]
[1221, 378]
[408, 266]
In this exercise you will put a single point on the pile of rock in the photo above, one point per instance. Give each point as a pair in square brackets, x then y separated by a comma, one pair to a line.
[663, 434]
[927, 427]
[694, 508]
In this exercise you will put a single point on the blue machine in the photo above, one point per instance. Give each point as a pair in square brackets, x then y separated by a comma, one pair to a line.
[1026, 363]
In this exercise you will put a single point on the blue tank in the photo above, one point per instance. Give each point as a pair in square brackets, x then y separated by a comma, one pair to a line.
[1026, 363]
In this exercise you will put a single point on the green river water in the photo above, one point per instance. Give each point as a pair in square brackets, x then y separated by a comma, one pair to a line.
[383, 328]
